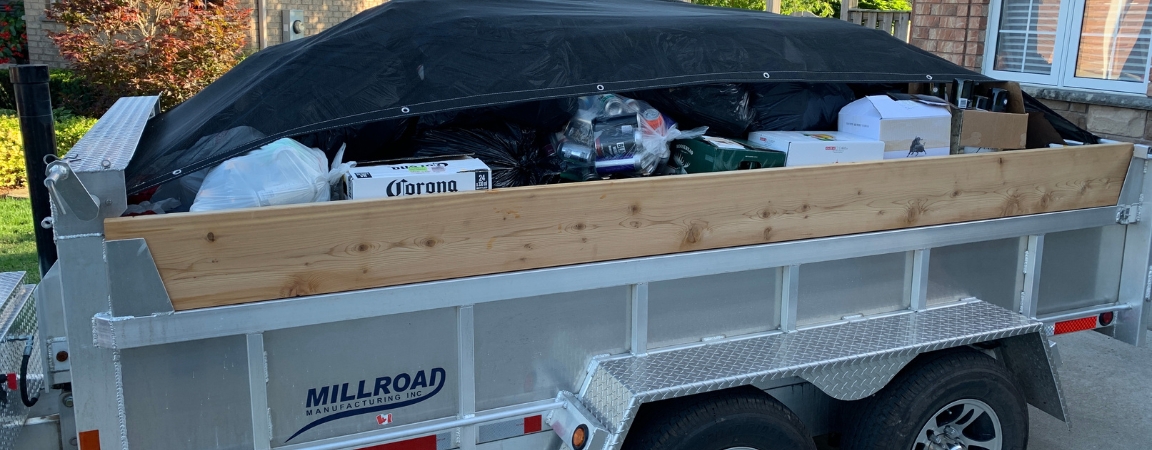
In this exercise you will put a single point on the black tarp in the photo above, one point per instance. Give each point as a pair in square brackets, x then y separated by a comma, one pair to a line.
[414, 57]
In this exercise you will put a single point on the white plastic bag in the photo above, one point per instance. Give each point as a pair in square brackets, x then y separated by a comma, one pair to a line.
[281, 173]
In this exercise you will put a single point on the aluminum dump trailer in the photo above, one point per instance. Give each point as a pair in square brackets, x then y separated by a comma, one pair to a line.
[809, 337]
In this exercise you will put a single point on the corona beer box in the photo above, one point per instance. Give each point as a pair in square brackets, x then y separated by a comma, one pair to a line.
[907, 127]
[417, 176]
[807, 148]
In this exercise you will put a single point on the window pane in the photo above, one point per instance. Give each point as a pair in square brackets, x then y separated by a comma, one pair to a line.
[1114, 40]
[1026, 41]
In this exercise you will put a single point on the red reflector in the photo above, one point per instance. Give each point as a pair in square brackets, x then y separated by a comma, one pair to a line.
[424, 443]
[11, 382]
[1106, 318]
[1069, 326]
[89, 440]
[533, 424]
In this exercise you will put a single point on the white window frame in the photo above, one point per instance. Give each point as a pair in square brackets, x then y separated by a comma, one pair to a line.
[1065, 53]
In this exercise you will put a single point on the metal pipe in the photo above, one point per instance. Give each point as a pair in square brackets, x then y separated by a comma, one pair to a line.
[1084, 312]
[34, 108]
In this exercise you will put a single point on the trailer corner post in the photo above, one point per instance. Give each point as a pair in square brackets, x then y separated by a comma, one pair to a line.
[97, 377]
[1135, 272]
[37, 126]
[97, 382]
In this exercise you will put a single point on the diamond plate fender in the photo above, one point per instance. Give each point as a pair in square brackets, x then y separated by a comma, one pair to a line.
[859, 379]
[1030, 358]
[850, 359]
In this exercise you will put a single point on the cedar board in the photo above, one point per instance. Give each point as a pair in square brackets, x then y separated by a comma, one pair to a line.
[231, 257]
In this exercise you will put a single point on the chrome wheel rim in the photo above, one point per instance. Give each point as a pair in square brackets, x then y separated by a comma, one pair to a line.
[966, 424]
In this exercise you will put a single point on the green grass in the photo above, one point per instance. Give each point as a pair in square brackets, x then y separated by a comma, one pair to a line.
[17, 244]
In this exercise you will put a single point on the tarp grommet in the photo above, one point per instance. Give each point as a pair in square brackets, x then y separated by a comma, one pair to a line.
[767, 75]
[405, 110]
[928, 77]
[599, 87]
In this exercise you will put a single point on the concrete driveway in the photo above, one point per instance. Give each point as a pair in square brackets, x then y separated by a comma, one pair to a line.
[1108, 388]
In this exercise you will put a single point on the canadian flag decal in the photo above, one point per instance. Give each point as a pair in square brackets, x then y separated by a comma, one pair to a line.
[384, 419]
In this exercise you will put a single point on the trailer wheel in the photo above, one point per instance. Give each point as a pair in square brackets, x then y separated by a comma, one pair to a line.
[736, 419]
[957, 400]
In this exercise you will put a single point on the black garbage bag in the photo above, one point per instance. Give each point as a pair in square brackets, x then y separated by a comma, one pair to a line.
[517, 156]
[726, 109]
[1067, 129]
[545, 115]
[373, 141]
[799, 106]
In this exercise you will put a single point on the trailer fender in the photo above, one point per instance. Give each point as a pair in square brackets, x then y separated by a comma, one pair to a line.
[852, 359]
[1031, 358]
[857, 380]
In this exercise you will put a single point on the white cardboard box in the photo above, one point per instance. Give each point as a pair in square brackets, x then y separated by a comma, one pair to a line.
[417, 176]
[905, 126]
[806, 148]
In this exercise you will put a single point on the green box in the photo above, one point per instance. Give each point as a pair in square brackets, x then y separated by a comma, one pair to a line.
[713, 154]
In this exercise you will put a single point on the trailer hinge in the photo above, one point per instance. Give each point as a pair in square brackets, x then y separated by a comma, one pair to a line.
[1127, 214]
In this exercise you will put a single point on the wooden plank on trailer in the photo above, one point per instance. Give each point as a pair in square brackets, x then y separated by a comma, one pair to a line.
[240, 256]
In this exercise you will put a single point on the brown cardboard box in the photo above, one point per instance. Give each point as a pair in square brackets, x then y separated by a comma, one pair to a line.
[998, 130]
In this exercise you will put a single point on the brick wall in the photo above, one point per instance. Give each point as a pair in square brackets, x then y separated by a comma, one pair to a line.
[41, 50]
[952, 29]
[319, 15]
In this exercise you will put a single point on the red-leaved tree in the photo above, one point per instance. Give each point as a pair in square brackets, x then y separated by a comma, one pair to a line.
[148, 47]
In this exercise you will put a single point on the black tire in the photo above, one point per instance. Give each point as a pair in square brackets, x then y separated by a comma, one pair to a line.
[894, 417]
[741, 417]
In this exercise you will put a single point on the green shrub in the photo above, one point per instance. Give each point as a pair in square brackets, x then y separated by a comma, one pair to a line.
[68, 90]
[149, 47]
[72, 93]
[822, 8]
[886, 5]
[69, 129]
[756, 5]
[13, 33]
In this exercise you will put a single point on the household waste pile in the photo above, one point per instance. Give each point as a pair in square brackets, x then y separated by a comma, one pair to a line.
[690, 129]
